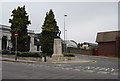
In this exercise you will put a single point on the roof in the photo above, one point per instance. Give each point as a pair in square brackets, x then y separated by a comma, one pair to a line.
[71, 43]
[107, 36]
[5, 27]
[91, 44]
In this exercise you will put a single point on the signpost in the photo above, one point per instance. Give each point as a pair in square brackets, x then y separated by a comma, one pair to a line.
[16, 35]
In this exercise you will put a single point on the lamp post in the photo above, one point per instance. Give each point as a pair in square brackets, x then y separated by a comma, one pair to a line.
[66, 41]
[64, 34]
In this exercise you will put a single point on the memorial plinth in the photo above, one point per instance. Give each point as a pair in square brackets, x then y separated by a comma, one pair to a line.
[57, 50]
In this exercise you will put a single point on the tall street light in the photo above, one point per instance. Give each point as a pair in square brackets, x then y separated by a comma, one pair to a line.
[66, 41]
[64, 34]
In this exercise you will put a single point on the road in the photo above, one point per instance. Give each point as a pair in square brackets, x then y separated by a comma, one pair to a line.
[103, 68]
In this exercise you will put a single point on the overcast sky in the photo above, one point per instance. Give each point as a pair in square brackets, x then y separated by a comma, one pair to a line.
[83, 22]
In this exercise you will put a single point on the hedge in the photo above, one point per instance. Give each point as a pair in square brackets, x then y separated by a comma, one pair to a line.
[69, 55]
[23, 54]
[29, 54]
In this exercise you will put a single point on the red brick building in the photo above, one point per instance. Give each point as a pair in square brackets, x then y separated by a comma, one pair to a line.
[108, 43]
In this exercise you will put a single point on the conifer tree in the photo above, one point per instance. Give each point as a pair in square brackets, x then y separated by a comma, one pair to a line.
[49, 32]
[19, 23]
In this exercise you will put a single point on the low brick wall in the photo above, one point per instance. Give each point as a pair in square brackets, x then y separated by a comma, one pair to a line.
[79, 51]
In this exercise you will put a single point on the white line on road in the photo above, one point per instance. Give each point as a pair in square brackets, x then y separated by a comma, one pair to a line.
[116, 73]
[112, 70]
[76, 69]
[89, 71]
[68, 68]
[103, 72]
[107, 69]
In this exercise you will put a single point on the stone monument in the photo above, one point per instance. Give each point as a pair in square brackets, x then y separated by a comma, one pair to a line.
[57, 50]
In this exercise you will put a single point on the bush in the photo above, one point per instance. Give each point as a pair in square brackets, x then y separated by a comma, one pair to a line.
[69, 55]
[23, 54]
[29, 54]
[12, 53]
[5, 52]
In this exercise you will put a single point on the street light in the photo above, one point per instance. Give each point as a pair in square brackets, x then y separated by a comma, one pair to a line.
[64, 34]
[66, 41]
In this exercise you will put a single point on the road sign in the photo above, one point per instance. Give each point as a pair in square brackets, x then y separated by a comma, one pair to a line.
[16, 34]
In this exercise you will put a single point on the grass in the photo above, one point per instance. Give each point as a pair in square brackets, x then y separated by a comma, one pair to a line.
[117, 56]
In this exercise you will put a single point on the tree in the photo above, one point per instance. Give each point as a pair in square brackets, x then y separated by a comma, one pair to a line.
[78, 45]
[49, 32]
[19, 23]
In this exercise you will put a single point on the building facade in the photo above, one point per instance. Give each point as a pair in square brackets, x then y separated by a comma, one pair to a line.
[108, 43]
[5, 38]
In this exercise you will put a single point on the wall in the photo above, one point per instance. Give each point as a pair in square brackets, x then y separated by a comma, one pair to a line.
[118, 46]
[107, 49]
[79, 51]
[6, 32]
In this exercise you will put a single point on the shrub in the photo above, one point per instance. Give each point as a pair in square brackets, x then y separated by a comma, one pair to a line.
[5, 52]
[12, 53]
[29, 54]
[69, 55]
[23, 54]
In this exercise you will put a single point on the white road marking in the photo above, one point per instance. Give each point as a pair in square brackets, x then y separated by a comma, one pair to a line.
[77, 69]
[97, 68]
[67, 68]
[112, 70]
[89, 71]
[62, 68]
[88, 67]
[102, 69]
[48, 66]
[103, 72]
[107, 69]
[115, 73]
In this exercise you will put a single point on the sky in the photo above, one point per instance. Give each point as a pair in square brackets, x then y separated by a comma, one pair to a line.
[84, 19]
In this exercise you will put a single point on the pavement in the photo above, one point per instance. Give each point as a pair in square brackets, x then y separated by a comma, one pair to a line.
[76, 61]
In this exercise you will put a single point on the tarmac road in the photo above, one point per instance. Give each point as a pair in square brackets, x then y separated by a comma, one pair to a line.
[103, 68]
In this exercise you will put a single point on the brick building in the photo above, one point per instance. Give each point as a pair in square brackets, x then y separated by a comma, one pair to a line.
[109, 43]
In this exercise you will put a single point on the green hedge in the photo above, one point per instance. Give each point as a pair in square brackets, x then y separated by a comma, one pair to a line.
[5, 52]
[69, 55]
[23, 54]
[29, 54]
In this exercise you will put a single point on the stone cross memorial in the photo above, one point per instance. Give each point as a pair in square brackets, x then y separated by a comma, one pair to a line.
[57, 50]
